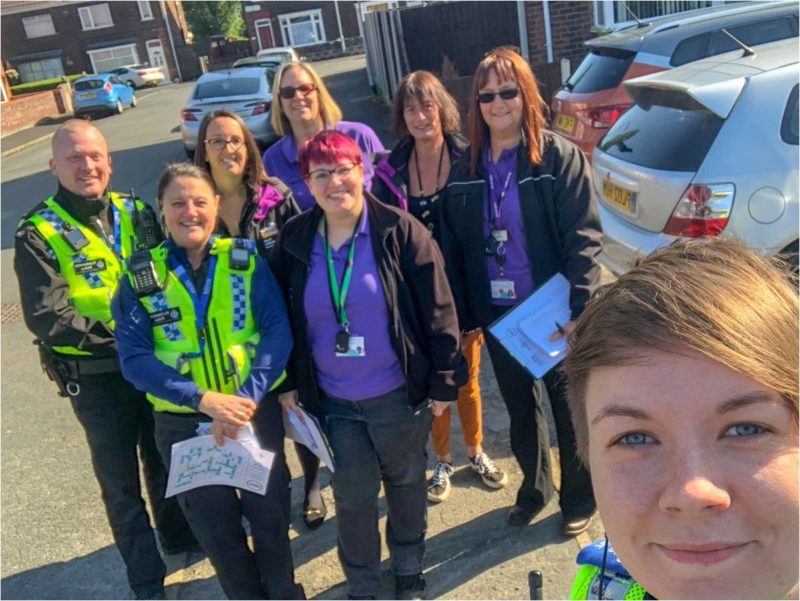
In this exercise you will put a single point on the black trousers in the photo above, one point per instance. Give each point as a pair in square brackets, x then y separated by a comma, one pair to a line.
[523, 394]
[118, 420]
[215, 513]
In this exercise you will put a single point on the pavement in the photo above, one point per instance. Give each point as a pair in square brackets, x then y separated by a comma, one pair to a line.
[56, 542]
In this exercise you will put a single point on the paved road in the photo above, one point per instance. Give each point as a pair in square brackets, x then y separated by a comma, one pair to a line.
[56, 541]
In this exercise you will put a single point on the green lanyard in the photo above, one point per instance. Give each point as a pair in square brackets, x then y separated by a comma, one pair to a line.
[339, 294]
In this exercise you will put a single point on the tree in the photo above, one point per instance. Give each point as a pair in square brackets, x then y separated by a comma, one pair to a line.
[211, 18]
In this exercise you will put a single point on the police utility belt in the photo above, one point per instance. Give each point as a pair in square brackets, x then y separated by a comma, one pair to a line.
[66, 372]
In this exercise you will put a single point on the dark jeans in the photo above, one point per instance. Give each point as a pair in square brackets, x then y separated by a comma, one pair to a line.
[530, 443]
[378, 440]
[117, 419]
[215, 513]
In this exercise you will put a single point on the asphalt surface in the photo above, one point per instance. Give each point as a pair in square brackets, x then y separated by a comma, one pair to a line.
[56, 543]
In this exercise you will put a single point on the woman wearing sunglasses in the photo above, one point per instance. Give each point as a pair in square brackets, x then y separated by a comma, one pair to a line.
[425, 118]
[376, 344]
[517, 211]
[252, 205]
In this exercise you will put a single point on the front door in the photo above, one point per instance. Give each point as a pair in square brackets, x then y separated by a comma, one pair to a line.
[155, 54]
[264, 34]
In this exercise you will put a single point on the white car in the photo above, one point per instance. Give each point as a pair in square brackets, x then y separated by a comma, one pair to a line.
[139, 76]
[709, 148]
[286, 54]
[247, 92]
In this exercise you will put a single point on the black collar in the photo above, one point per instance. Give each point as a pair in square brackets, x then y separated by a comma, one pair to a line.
[82, 209]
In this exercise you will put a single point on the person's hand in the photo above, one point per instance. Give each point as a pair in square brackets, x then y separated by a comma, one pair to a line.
[566, 327]
[438, 407]
[288, 401]
[220, 429]
[228, 408]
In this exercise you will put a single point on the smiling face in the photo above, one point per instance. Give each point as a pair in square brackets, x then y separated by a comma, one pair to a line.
[81, 161]
[228, 161]
[342, 194]
[503, 117]
[301, 108]
[696, 477]
[422, 119]
[189, 206]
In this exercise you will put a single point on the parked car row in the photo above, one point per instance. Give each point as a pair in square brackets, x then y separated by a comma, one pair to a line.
[101, 93]
[139, 76]
[682, 147]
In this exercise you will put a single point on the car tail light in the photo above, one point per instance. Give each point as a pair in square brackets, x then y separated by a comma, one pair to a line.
[702, 211]
[107, 87]
[190, 114]
[260, 108]
[142, 73]
[602, 117]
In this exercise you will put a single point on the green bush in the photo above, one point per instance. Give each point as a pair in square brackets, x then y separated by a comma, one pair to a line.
[44, 84]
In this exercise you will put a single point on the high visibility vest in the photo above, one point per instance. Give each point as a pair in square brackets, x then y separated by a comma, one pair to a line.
[91, 273]
[617, 583]
[216, 354]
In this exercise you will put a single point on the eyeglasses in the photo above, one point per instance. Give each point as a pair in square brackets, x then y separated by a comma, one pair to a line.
[219, 143]
[322, 177]
[488, 97]
[288, 92]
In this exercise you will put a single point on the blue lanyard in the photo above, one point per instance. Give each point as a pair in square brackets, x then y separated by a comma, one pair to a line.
[202, 300]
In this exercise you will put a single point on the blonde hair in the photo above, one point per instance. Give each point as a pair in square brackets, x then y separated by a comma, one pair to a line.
[329, 111]
[713, 296]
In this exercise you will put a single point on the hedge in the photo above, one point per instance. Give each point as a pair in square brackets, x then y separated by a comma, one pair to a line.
[42, 85]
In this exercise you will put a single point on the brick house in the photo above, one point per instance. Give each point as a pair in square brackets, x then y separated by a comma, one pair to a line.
[316, 29]
[42, 40]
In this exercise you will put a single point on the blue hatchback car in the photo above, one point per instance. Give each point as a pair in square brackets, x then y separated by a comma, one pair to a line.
[101, 93]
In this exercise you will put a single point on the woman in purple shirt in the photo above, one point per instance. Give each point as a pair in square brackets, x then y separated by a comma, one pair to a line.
[377, 344]
[302, 107]
[517, 210]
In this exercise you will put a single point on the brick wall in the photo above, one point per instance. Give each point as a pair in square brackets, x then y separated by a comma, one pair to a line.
[28, 109]
[570, 27]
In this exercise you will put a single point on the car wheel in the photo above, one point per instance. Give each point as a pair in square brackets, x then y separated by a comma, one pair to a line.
[119, 108]
[130, 84]
[134, 102]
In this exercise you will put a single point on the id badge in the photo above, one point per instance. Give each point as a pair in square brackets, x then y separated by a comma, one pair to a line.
[500, 235]
[355, 347]
[503, 289]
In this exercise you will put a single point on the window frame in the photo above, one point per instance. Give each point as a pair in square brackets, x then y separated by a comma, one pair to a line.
[145, 3]
[285, 21]
[39, 16]
[25, 72]
[791, 110]
[91, 53]
[86, 11]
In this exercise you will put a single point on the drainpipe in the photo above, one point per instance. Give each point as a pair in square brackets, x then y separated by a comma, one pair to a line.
[548, 34]
[339, 23]
[171, 41]
[523, 30]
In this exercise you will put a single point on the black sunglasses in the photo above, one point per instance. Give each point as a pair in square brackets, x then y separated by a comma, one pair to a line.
[288, 92]
[488, 97]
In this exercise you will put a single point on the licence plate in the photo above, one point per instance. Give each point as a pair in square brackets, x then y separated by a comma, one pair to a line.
[619, 197]
[565, 123]
[89, 96]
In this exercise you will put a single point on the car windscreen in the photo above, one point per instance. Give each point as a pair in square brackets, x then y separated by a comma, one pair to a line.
[221, 88]
[670, 132]
[89, 84]
[602, 69]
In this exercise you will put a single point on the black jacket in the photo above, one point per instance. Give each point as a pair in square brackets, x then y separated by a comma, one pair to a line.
[423, 329]
[562, 228]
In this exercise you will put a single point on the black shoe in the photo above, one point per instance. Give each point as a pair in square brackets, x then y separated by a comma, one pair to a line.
[520, 516]
[409, 587]
[574, 526]
[314, 516]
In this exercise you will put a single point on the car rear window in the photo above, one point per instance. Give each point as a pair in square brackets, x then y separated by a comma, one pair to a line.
[673, 135]
[602, 69]
[789, 126]
[221, 88]
[89, 84]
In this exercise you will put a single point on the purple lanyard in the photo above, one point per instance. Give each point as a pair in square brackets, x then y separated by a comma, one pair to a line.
[494, 205]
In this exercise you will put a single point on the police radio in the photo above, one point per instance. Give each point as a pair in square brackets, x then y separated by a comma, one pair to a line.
[239, 257]
[150, 232]
[74, 236]
[145, 278]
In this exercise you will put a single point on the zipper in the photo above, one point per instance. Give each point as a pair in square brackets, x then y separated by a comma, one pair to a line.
[225, 373]
[212, 358]
[201, 336]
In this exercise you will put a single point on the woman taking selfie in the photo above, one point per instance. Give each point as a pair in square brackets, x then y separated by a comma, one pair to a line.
[517, 210]
[426, 121]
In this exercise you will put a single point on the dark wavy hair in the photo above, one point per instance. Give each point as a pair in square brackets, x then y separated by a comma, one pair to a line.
[425, 87]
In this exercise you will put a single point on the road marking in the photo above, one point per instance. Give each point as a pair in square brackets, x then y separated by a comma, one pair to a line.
[362, 98]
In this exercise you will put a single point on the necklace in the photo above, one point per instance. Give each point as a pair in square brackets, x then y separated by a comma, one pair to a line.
[438, 170]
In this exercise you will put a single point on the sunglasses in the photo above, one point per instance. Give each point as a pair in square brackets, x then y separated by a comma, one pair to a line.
[488, 97]
[288, 92]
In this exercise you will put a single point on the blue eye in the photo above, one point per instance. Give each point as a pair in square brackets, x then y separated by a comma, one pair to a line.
[745, 430]
[635, 439]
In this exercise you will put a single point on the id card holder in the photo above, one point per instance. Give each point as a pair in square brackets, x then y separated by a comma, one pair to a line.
[355, 347]
[503, 289]
[500, 235]
[342, 343]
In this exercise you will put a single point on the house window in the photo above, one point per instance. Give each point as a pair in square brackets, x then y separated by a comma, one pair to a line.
[46, 68]
[145, 11]
[95, 17]
[110, 58]
[302, 29]
[38, 26]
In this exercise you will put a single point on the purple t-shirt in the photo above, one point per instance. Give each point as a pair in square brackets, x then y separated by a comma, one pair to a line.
[280, 160]
[509, 217]
[378, 371]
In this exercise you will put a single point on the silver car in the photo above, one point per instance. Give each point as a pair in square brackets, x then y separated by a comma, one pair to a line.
[247, 92]
[709, 148]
